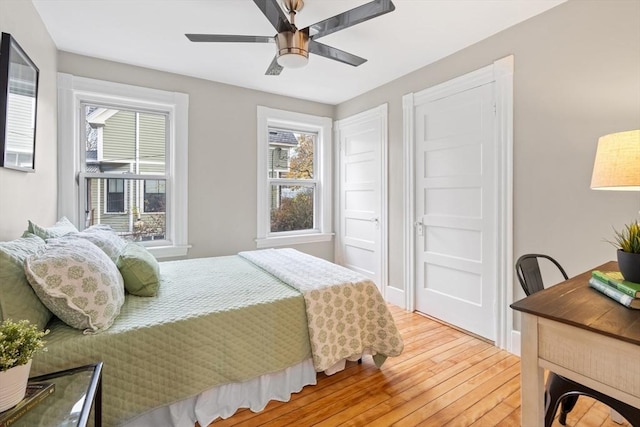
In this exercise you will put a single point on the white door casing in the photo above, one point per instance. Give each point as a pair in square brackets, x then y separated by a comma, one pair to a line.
[500, 76]
[361, 151]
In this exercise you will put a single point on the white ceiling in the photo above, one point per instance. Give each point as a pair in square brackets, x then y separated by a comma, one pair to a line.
[150, 33]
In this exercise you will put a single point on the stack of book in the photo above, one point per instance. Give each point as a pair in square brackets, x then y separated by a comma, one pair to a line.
[613, 285]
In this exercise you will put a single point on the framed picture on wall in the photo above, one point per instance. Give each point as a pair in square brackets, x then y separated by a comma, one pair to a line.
[18, 106]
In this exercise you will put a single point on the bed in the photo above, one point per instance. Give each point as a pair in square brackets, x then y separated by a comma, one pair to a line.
[225, 333]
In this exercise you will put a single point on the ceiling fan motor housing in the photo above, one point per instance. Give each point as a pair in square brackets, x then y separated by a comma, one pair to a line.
[293, 48]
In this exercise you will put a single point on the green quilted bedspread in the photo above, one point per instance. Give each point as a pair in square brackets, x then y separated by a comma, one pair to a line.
[214, 321]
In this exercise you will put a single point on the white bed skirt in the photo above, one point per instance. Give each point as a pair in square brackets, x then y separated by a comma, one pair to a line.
[223, 401]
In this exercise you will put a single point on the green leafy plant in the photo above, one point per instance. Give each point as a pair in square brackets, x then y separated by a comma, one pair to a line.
[19, 341]
[628, 239]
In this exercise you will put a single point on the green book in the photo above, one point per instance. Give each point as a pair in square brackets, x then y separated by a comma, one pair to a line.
[614, 294]
[615, 279]
[36, 393]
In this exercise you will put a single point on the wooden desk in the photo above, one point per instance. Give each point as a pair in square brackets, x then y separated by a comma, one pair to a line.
[578, 333]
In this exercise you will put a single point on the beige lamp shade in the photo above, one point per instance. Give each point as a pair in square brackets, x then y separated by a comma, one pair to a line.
[617, 164]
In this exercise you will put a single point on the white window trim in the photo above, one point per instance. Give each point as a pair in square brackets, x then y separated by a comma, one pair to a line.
[269, 117]
[72, 91]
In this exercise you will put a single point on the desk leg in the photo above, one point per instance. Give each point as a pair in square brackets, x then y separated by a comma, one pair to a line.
[531, 375]
[98, 405]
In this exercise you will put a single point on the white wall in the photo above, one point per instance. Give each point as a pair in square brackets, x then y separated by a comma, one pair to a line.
[24, 195]
[577, 77]
[222, 151]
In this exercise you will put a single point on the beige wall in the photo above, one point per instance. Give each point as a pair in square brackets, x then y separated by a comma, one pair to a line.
[577, 77]
[222, 151]
[24, 195]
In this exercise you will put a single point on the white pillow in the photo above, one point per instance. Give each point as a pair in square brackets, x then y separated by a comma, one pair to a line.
[104, 237]
[78, 282]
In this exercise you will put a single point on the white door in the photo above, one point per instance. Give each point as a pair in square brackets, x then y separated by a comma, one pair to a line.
[361, 239]
[455, 209]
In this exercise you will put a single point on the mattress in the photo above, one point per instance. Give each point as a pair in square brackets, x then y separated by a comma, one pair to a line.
[215, 321]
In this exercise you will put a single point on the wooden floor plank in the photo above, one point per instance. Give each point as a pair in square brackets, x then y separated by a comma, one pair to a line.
[487, 402]
[444, 377]
[502, 410]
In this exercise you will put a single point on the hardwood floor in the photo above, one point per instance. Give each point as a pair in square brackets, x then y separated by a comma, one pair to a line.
[444, 377]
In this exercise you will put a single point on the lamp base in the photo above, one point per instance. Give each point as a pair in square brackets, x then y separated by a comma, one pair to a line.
[629, 264]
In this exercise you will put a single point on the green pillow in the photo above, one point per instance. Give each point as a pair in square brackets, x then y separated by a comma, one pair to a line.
[59, 229]
[140, 270]
[17, 299]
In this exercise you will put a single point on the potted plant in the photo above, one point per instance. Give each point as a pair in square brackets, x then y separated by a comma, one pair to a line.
[19, 341]
[628, 243]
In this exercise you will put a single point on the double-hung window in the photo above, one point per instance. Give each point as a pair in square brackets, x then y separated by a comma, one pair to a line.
[123, 161]
[294, 178]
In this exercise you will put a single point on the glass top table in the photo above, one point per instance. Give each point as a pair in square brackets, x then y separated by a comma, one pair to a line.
[76, 391]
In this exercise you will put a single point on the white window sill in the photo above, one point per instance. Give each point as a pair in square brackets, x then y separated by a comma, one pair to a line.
[168, 251]
[269, 242]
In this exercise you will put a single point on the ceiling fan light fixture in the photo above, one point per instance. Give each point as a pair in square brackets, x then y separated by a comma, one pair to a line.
[292, 60]
[293, 49]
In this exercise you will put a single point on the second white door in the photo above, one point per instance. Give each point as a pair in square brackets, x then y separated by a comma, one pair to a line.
[361, 240]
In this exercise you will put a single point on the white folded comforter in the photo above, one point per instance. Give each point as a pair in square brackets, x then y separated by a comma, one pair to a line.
[346, 314]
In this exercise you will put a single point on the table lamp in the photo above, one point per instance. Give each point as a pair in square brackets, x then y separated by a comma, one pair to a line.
[617, 164]
[617, 167]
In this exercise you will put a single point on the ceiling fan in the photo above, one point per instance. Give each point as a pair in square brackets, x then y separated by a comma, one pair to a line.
[293, 44]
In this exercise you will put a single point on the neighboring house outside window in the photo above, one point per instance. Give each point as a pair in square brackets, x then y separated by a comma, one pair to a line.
[294, 180]
[132, 151]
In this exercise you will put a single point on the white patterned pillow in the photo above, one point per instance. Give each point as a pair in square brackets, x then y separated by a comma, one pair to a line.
[78, 282]
[104, 237]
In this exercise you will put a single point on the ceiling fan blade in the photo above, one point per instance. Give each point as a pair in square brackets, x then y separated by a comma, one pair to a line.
[274, 14]
[274, 68]
[229, 38]
[350, 18]
[335, 54]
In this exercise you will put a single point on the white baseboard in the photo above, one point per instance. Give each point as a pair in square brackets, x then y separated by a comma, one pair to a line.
[396, 296]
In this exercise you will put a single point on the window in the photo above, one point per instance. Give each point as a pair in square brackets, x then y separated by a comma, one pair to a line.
[115, 195]
[128, 167]
[294, 182]
[154, 195]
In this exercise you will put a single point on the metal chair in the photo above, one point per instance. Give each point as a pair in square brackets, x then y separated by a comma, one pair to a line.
[561, 391]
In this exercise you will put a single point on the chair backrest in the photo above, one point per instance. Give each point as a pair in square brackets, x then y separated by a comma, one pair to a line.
[528, 271]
